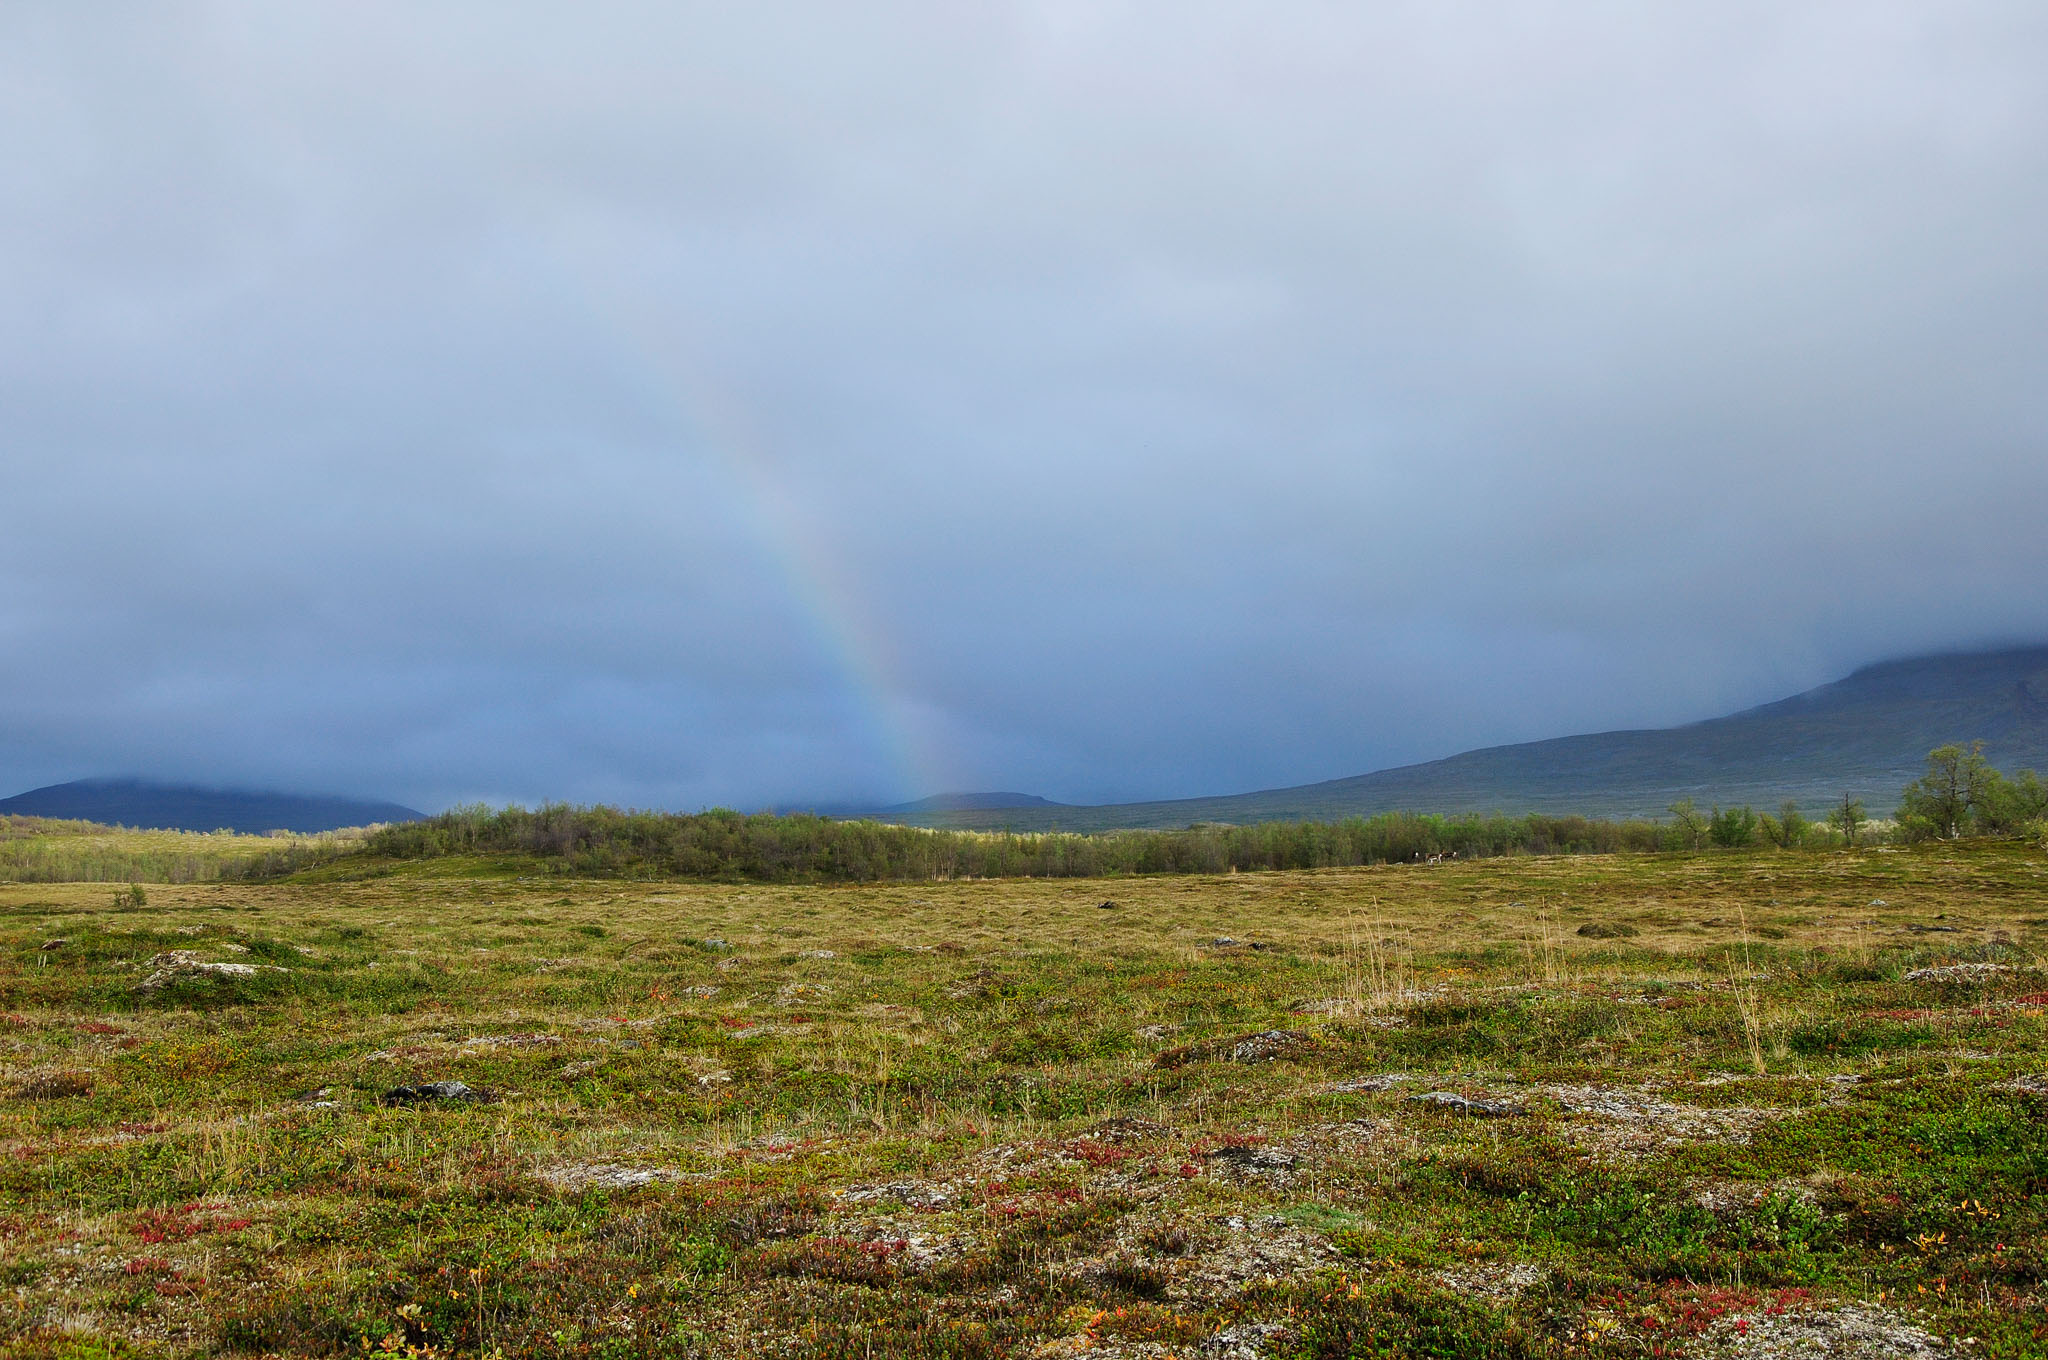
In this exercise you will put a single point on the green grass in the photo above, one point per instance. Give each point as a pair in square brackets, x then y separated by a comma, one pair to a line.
[993, 1118]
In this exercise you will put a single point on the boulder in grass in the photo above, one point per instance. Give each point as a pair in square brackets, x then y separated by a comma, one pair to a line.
[435, 1092]
[177, 964]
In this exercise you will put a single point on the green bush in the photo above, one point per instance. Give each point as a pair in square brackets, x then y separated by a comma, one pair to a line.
[1733, 827]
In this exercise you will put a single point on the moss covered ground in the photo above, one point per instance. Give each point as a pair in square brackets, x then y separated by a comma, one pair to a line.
[1711, 1103]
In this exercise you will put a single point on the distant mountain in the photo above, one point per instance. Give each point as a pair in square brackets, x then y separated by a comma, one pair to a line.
[181, 807]
[970, 802]
[1868, 735]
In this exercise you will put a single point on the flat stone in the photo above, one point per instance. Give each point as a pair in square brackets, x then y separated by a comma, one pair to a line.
[512, 1041]
[604, 1176]
[910, 1194]
[1385, 1081]
[1450, 1102]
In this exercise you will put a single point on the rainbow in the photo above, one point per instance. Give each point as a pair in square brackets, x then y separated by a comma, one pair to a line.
[823, 591]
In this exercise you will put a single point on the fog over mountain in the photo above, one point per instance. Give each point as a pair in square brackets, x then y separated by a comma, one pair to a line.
[687, 404]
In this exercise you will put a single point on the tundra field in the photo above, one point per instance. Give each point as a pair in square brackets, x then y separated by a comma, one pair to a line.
[1756, 1103]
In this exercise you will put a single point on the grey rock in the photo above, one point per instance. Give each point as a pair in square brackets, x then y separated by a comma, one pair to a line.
[429, 1092]
[1385, 1081]
[604, 1176]
[186, 963]
[1450, 1102]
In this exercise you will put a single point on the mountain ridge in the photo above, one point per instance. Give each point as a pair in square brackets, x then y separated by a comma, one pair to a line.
[1866, 734]
[191, 807]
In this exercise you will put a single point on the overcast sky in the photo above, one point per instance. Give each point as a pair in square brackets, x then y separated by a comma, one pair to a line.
[684, 404]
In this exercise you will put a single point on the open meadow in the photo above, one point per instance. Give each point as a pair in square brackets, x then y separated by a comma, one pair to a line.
[1618, 1105]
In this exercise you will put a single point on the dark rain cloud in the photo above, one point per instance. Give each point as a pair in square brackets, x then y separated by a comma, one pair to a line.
[687, 404]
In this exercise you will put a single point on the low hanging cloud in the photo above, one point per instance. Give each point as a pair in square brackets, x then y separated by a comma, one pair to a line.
[802, 403]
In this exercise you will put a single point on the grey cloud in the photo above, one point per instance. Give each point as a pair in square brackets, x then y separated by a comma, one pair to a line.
[789, 402]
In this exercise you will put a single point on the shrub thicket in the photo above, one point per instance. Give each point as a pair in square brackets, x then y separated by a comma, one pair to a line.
[803, 848]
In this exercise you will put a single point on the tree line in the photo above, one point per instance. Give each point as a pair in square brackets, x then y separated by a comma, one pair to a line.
[1961, 794]
[806, 848]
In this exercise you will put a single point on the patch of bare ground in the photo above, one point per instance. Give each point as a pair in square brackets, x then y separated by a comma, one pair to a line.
[1729, 1200]
[1851, 1332]
[914, 1194]
[1194, 1257]
[577, 1176]
[1618, 1121]
[1247, 1250]
[1497, 1280]
[1241, 1341]
[1351, 1139]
